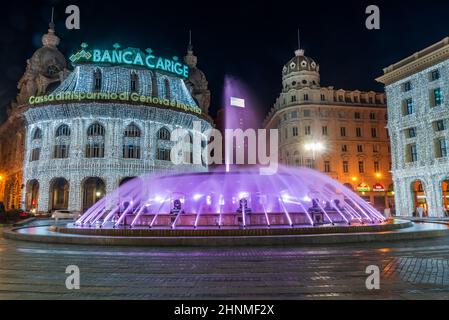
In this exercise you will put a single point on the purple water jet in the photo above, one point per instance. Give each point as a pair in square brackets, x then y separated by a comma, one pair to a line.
[294, 197]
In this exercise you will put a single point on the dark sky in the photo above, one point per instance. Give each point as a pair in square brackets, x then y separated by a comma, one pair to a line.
[250, 40]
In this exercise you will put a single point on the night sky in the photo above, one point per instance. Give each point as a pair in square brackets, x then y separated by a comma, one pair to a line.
[250, 40]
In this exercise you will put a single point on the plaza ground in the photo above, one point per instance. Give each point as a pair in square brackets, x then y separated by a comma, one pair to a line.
[416, 269]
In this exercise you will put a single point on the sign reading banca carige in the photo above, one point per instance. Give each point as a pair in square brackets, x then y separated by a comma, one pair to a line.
[130, 56]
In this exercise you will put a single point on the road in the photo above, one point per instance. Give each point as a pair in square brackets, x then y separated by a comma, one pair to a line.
[409, 270]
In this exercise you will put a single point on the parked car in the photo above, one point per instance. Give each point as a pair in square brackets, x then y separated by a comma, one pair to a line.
[65, 214]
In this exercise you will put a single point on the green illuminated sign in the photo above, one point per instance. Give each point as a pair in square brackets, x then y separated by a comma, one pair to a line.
[112, 96]
[130, 56]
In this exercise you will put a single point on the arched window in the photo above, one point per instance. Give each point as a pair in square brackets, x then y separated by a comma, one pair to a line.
[59, 194]
[93, 190]
[37, 134]
[95, 141]
[134, 84]
[132, 131]
[35, 154]
[163, 134]
[63, 131]
[62, 143]
[131, 142]
[32, 195]
[95, 129]
[97, 80]
[167, 89]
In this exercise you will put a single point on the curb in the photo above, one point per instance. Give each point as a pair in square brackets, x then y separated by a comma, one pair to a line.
[288, 240]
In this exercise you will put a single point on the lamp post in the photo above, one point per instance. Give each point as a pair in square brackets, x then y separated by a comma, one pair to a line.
[314, 147]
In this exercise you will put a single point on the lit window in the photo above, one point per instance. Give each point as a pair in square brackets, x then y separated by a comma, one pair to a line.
[408, 107]
[345, 166]
[437, 97]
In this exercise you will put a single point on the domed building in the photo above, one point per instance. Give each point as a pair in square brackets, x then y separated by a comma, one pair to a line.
[105, 122]
[339, 132]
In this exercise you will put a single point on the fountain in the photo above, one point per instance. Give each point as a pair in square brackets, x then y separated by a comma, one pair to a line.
[241, 199]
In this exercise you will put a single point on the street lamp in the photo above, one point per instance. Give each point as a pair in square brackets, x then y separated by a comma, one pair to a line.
[314, 147]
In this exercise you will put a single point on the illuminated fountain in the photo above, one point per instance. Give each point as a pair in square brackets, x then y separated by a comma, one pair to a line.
[241, 199]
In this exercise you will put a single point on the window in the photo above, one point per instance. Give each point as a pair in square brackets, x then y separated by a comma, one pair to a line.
[163, 154]
[134, 82]
[361, 167]
[437, 97]
[356, 115]
[411, 132]
[95, 129]
[293, 98]
[376, 166]
[35, 153]
[358, 132]
[97, 80]
[295, 131]
[324, 130]
[63, 131]
[323, 97]
[408, 107]
[307, 113]
[307, 130]
[163, 134]
[442, 148]
[371, 100]
[309, 163]
[95, 144]
[372, 116]
[37, 134]
[376, 148]
[61, 151]
[167, 89]
[440, 125]
[132, 131]
[306, 97]
[131, 151]
[356, 99]
[373, 132]
[412, 153]
[294, 114]
[95, 150]
[344, 148]
[345, 166]
[407, 86]
[343, 131]
[435, 75]
[359, 148]
[327, 166]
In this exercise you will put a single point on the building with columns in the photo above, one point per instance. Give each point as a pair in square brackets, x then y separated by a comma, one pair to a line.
[417, 89]
[83, 132]
[341, 133]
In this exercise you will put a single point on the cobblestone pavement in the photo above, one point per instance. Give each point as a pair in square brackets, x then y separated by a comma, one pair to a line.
[409, 270]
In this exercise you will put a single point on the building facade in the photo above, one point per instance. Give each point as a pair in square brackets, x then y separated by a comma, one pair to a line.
[341, 133]
[417, 89]
[110, 119]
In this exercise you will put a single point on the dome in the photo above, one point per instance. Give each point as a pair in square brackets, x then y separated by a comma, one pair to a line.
[48, 61]
[291, 197]
[299, 63]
